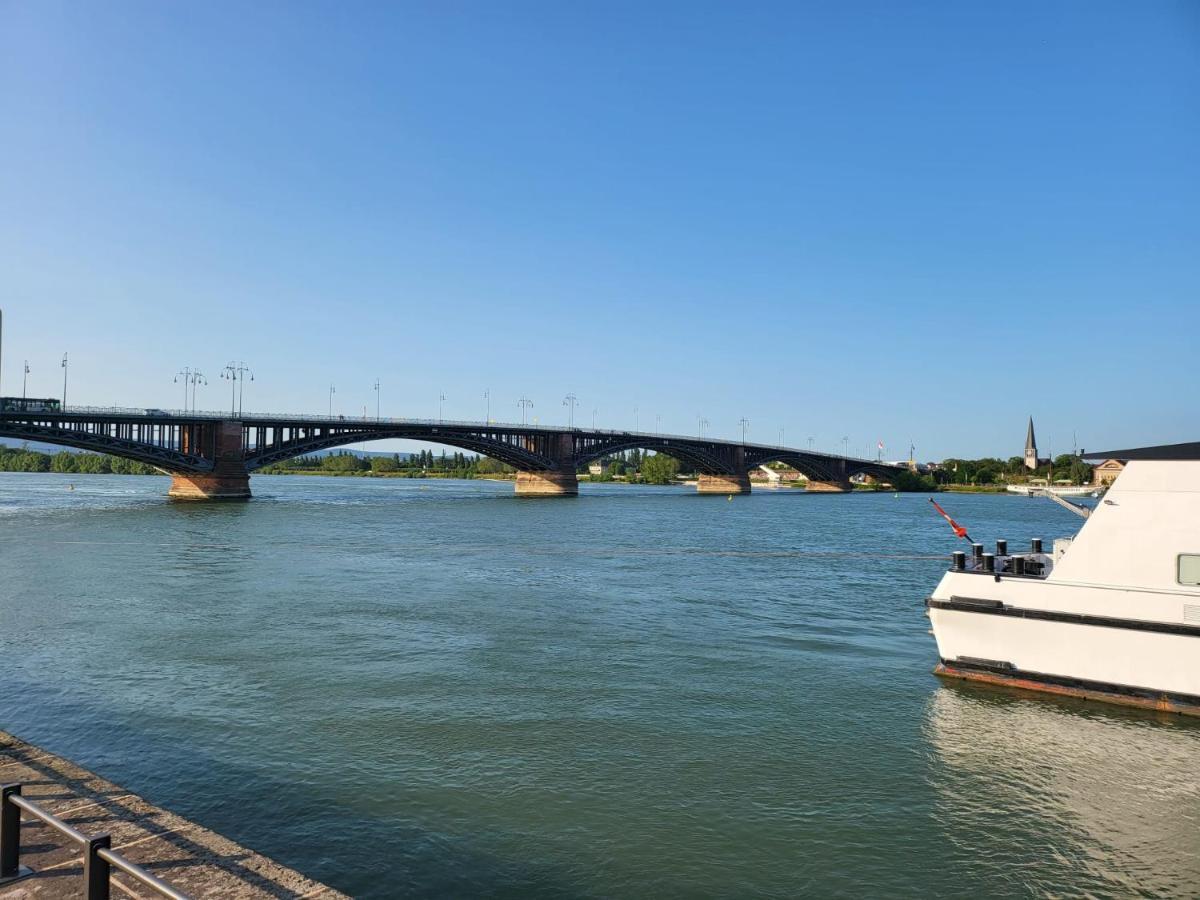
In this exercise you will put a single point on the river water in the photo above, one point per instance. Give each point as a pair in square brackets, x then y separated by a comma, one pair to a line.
[433, 688]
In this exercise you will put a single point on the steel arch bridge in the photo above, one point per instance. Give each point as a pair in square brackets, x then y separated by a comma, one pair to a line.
[211, 455]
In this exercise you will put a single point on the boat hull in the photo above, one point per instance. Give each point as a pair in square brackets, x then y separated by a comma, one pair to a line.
[1063, 687]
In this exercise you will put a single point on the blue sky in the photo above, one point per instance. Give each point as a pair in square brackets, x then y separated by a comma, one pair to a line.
[910, 222]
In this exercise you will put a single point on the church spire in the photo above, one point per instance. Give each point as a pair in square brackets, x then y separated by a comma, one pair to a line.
[1030, 441]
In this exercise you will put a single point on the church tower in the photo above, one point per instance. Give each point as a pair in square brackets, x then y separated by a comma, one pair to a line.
[1031, 457]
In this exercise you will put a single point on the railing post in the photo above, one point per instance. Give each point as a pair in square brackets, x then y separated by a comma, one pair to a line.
[10, 832]
[96, 868]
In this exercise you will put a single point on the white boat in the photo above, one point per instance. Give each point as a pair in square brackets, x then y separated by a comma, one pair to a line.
[1113, 614]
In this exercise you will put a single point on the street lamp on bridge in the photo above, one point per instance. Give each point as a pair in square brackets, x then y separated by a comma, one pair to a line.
[377, 416]
[193, 377]
[64, 368]
[236, 373]
[745, 423]
[487, 396]
[441, 400]
[525, 403]
[701, 424]
[332, 391]
[24, 379]
[569, 401]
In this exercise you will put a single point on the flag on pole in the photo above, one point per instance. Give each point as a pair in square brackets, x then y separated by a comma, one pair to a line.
[959, 530]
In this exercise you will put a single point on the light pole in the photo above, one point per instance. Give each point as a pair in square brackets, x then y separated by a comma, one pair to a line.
[745, 423]
[845, 446]
[657, 424]
[236, 373]
[377, 416]
[441, 400]
[525, 403]
[193, 377]
[332, 391]
[487, 396]
[24, 379]
[810, 443]
[594, 411]
[701, 424]
[64, 368]
[780, 435]
[569, 401]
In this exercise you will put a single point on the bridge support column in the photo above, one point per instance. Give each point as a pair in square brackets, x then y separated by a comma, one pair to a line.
[829, 487]
[560, 481]
[209, 487]
[723, 484]
[547, 483]
[228, 479]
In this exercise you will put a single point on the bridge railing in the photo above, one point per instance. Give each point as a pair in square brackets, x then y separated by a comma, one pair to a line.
[98, 858]
[281, 419]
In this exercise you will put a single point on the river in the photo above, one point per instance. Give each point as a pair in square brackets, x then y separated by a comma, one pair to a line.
[433, 688]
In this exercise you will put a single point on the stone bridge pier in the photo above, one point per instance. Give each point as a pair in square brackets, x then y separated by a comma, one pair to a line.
[737, 482]
[560, 481]
[228, 479]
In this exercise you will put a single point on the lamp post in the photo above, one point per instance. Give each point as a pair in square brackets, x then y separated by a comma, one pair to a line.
[810, 443]
[701, 424]
[525, 403]
[193, 377]
[332, 391]
[64, 368]
[657, 423]
[487, 396]
[845, 446]
[441, 400]
[745, 423]
[594, 411]
[569, 401]
[377, 416]
[780, 435]
[236, 373]
[25, 379]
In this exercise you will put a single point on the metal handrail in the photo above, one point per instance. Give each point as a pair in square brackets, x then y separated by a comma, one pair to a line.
[142, 412]
[98, 859]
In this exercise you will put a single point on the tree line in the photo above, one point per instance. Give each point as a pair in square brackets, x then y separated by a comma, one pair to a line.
[22, 459]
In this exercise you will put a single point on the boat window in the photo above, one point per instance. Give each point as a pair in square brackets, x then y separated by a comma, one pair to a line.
[1189, 568]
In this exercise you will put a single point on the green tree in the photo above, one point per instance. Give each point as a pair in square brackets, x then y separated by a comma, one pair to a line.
[63, 461]
[659, 468]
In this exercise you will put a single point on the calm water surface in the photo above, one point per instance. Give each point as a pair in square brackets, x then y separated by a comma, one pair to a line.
[432, 688]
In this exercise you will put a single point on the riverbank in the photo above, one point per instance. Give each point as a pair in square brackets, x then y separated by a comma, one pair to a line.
[188, 856]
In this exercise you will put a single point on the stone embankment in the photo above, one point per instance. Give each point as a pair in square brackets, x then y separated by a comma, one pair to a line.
[189, 857]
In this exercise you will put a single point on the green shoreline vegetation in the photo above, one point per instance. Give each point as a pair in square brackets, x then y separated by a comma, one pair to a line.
[982, 476]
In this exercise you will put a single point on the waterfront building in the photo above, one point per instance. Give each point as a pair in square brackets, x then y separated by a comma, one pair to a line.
[1107, 472]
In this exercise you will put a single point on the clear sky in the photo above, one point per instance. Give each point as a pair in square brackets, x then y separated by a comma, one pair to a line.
[886, 221]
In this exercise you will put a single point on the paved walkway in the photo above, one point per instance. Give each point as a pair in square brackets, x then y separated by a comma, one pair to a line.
[190, 858]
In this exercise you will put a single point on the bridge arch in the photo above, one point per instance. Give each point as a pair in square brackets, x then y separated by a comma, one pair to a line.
[511, 453]
[704, 459]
